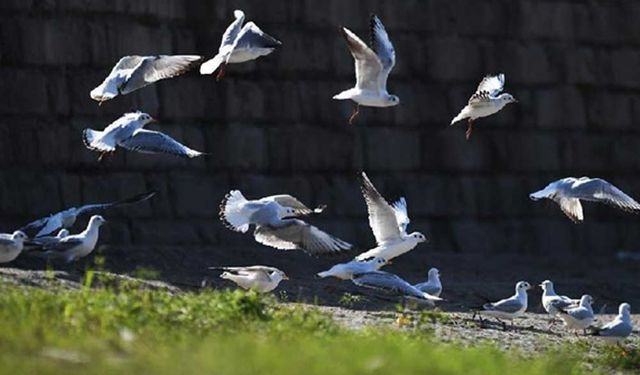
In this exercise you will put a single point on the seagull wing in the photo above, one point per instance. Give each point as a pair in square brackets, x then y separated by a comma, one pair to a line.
[62, 245]
[571, 207]
[252, 37]
[92, 209]
[231, 33]
[287, 200]
[126, 62]
[155, 68]
[43, 226]
[382, 216]
[153, 142]
[368, 65]
[292, 234]
[383, 48]
[600, 190]
[489, 87]
[509, 305]
[402, 215]
[615, 328]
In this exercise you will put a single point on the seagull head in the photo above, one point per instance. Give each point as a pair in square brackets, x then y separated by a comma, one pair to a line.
[140, 117]
[522, 286]
[419, 237]
[624, 309]
[19, 235]
[586, 300]
[546, 285]
[433, 273]
[392, 100]
[507, 98]
[280, 275]
[96, 221]
[286, 213]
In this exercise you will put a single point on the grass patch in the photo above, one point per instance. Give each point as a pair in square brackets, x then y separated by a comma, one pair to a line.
[118, 329]
[620, 358]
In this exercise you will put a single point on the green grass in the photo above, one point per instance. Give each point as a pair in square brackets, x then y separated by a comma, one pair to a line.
[121, 329]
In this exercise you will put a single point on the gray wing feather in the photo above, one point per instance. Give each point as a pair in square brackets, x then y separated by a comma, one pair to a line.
[600, 190]
[294, 234]
[382, 216]
[252, 37]
[231, 33]
[63, 245]
[152, 142]
[383, 48]
[367, 64]
[616, 329]
[387, 282]
[507, 305]
[156, 68]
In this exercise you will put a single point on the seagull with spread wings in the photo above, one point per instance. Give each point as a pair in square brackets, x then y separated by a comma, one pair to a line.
[262, 279]
[373, 65]
[508, 308]
[75, 246]
[276, 223]
[392, 284]
[135, 72]
[11, 245]
[128, 132]
[389, 225]
[66, 219]
[567, 193]
[240, 44]
[486, 101]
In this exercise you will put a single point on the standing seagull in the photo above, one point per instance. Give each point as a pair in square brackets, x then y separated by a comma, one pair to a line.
[276, 224]
[239, 44]
[391, 283]
[128, 132]
[568, 192]
[346, 271]
[388, 223]
[66, 219]
[11, 245]
[75, 246]
[135, 72]
[262, 279]
[373, 66]
[433, 285]
[619, 328]
[508, 308]
[485, 101]
[552, 302]
[581, 317]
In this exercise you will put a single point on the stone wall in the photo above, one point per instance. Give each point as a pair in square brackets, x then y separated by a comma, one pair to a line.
[272, 127]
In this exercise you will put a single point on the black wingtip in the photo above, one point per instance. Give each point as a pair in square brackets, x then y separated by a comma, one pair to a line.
[221, 214]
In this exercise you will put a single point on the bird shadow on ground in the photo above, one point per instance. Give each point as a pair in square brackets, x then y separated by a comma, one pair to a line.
[500, 326]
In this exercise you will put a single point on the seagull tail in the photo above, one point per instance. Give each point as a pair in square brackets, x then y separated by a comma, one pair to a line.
[345, 95]
[231, 212]
[92, 140]
[461, 116]
[210, 66]
[430, 297]
[323, 274]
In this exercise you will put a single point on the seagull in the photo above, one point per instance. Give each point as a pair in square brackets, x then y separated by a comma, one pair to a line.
[240, 44]
[581, 317]
[128, 132]
[11, 245]
[262, 279]
[433, 285]
[373, 65]
[388, 223]
[508, 308]
[276, 224]
[346, 271]
[619, 328]
[485, 101]
[567, 192]
[75, 246]
[552, 302]
[135, 72]
[393, 284]
[68, 217]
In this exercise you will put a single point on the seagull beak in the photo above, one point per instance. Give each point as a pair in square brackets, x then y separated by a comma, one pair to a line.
[285, 277]
[153, 120]
[389, 262]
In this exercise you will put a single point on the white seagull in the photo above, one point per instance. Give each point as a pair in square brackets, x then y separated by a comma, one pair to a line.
[433, 285]
[508, 308]
[373, 65]
[75, 246]
[388, 223]
[581, 317]
[619, 328]
[346, 271]
[276, 224]
[135, 72]
[567, 193]
[66, 219]
[240, 44]
[262, 279]
[128, 132]
[486, 101]
[393, 284]
[11, 245]
[552, 302]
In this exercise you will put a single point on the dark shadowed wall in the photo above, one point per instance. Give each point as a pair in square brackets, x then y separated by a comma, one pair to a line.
[272, 127]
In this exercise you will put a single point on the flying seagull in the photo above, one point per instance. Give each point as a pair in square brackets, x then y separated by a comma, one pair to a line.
[128, 132]
[508, 308]
[66, 219]
[388, 223]
[580, 317]
[239, 44]
[346, 271]
[568, 192]
[276, 223]
[619, 328]
[552, 302]
[75, 246]
[135, 72]
[262, 279]
[486, 101]
[373, 65]
[393, 284]
[11, 245]
[433, 285]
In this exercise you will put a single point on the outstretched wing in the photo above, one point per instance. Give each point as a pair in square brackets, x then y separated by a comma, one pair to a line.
[252, 37]
[153, 142]
[231, 33]
[599, 190]
[287, 200]
[296, 234]
[155, 68]
[44, 226]
[368, 65]
[402, 215]
[489, 87]
[382, 216]
[92, 209]
[383, 48]
[571, 207]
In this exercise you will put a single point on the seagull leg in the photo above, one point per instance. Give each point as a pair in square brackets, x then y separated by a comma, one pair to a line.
[469, 129]
[221, 72]
[102, 155]
[354, 114]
